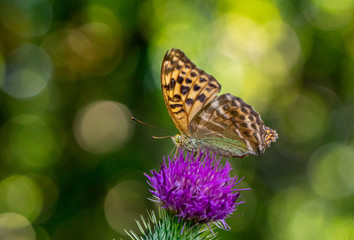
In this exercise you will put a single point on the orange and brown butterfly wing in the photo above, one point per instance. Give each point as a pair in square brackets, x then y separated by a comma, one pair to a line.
[186, 88]
[230, 127]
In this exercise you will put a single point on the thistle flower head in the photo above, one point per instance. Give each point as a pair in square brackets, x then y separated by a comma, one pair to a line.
[197, 188]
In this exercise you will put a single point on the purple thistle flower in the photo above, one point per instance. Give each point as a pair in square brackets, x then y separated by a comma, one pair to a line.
[197, 189]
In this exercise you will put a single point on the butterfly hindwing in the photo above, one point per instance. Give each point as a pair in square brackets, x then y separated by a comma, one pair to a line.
[186, 88]
[230, 127]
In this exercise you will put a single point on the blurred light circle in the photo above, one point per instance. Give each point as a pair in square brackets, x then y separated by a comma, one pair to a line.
[259, 10]
[29, 70]
[331, 171]
[91, 49]
[187, 25]
[27, 18]
[14, 226]
[256, 89]
[342, 228]
[22, 195]
[284, 49]
[102, 54]
[64, 58]
[307, 118]
[80, 45]
[283, 206]
[103, 14]
[310, 221]
[103, 126]
[124, 204]
[246, 34]
[330, 15]
[49, 193]
[30, 142]
[25, 83]
[223, 65]
[338, 5]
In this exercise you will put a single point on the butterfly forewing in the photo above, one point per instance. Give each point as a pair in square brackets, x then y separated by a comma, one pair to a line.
[231, 126]
[186, 88]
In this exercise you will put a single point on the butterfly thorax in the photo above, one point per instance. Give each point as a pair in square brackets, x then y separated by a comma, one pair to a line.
[189, 143]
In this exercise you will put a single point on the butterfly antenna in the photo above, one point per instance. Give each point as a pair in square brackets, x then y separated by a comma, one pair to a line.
[137, 120]
[154, 137]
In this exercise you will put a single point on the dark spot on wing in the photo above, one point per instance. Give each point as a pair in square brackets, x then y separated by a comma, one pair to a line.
[251, 118]
[193, 74]
[209, 109]
[212, 85]
[226, 107]
[201, 97]
[201, 80]
[172, 83]
[244, 125]
[187, 66]
[178, 112]
[177, 97]
[242, 117]
[234, 113]
[189, 101]
[223, 97]
[234, 104]
[168, 70]
[180, 79]
[179, 67]
[244, 109]
[246, 133]
[255, 135]
[218, 113]
[225, 116]
[173, 106]
[254, 126]
[188, 81]
[196, 87]
[185, 89]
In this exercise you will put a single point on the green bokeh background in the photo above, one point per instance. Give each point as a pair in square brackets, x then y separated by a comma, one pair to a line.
[73, 72]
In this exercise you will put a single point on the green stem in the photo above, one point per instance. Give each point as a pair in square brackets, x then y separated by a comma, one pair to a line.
[169, 227]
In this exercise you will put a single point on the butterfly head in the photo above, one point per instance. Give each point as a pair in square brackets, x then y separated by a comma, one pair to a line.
[177, 140]
[187, 142]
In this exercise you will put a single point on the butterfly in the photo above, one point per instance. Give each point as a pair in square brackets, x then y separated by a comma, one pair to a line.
[224, 124]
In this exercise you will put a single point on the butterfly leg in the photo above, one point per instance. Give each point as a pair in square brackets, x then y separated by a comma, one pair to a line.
[172, 151]
[177, 149]
[198, 152]
[199, 149]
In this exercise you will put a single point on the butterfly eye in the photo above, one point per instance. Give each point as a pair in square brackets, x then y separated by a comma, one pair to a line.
[179, 138]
